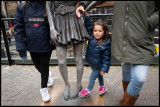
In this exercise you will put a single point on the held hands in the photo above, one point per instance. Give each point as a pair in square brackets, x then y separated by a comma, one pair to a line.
[102, 72]
[54, 37]
[80, 10]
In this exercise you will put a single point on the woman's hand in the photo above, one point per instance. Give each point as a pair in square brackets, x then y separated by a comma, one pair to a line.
[102, 72]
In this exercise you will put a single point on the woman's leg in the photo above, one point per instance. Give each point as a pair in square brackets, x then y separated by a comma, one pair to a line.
[79, 67]
[41, 62]
[126, 75]
[36, 61]
[138, 78]
[126, 72]
[44, 67]
[61, 55]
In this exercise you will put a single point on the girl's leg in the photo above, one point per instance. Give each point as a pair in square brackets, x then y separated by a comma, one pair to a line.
[92, 78]
[79, 67]
[100, 79]
[44, 67]
[61, 55]
[138, 78]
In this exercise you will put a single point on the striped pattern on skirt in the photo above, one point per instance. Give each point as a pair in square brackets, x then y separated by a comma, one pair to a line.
[71, 28]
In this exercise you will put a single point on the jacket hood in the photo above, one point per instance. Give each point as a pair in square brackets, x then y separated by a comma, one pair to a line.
[108, 42]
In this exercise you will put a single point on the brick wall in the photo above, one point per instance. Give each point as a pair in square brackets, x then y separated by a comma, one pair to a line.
[11, 8]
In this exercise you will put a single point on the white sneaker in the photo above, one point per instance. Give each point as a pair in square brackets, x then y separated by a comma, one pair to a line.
[50, 79]
[45, 95]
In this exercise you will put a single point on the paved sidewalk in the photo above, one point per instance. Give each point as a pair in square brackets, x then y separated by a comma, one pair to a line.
[20, 84]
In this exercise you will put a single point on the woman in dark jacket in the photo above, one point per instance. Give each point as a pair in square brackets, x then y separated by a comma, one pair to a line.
[32, 34]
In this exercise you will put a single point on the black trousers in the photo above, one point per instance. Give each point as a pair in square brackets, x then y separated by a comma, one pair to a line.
[41, 62]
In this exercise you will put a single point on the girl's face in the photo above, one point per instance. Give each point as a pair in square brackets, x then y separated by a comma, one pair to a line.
[98, 32]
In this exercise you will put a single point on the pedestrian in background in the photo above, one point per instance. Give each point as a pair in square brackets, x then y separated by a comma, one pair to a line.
[8, 37]
[12, 33]
[32, 33]
[134, 24]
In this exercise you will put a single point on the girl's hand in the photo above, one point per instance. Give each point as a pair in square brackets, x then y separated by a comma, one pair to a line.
[102, 72]
[80, 10]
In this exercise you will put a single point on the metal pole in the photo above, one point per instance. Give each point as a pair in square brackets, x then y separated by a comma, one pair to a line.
[6, 43]
[92, 5]
[6, 10]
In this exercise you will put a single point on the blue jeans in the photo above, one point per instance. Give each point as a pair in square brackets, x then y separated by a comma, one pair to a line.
[136, 74]
[94, 74]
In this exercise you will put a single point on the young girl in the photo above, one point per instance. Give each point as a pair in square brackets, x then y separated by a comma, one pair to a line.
[98, 56]
[32, 33]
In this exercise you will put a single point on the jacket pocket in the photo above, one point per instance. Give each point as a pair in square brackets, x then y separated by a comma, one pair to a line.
[35, 29]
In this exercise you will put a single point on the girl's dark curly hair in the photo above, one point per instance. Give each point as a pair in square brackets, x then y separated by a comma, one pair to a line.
[105, 29]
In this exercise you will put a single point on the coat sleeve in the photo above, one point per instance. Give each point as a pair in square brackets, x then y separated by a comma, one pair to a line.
[106, 59]
[88, 25]
[19, 29]
[153, 20]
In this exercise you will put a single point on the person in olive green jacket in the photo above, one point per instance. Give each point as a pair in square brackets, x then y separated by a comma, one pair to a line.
[134, 23]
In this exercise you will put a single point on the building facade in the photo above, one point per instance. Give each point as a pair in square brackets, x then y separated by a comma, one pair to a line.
[103, 11]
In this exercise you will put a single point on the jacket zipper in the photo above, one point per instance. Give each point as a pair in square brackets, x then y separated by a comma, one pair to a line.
[126, 21]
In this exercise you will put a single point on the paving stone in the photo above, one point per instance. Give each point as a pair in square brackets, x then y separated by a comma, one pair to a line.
[20, 84]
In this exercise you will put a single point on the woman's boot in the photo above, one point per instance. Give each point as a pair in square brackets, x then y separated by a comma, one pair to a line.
[125, 84]
[128, 100]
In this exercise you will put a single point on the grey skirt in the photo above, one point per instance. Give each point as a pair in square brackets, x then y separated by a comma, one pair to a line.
[71, 28]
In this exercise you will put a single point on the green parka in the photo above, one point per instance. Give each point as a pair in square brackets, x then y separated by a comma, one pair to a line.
[134, 23]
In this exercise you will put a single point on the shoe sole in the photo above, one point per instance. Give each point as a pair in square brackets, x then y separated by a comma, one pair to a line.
[103, 93]
[46, 101]
[84, 96]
